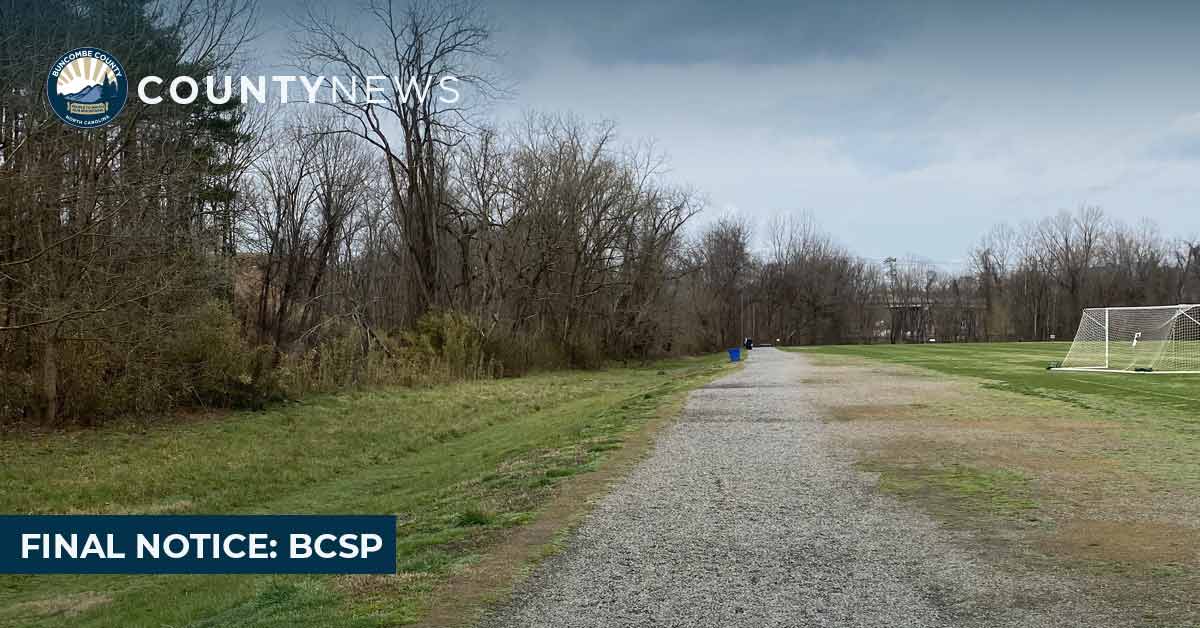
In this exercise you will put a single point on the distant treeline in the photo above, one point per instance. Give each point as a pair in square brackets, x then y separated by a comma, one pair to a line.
[220, 255]
[1027, 283]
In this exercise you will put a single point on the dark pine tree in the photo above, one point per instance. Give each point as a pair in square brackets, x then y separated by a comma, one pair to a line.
[108, 91]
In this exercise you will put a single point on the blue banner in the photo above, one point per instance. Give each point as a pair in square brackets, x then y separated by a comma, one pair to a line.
[197, 544]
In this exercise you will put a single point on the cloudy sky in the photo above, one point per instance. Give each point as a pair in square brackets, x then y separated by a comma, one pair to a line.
[904, 127]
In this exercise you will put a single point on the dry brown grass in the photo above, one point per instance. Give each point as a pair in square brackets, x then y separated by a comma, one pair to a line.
[1101, 514]
[876, 412]
[1143, 542]
[68, 605]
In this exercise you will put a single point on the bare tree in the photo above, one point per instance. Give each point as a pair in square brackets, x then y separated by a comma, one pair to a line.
[418, 45]
[991, 259]
[109, 220]
[722, 255]
[1072, 242]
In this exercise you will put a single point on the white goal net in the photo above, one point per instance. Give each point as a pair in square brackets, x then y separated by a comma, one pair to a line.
[1159, 339]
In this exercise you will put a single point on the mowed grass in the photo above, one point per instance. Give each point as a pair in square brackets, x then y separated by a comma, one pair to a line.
[996, 492]
[1092, 477]
[458, 464]
[1159, 414]
[1021, 367]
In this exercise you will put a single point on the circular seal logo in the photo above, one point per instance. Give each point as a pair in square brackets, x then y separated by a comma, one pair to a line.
[87, 88]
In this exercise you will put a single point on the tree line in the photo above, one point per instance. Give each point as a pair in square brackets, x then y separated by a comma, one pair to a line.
[228, 255]
[1025, 283]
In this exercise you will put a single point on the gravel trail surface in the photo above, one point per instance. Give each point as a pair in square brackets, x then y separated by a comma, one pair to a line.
[749, 514]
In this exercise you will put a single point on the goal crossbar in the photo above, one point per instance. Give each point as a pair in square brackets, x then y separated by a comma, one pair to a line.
[1148, 307]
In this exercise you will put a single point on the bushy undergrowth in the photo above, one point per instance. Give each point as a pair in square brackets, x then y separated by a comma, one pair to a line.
[198, 358]
[443, 347]
[201, 357]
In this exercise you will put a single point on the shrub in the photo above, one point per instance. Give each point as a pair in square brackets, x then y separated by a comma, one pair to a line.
[449, 343]
[194, 356]
[517, 354]
[214, 365]
[444, 346]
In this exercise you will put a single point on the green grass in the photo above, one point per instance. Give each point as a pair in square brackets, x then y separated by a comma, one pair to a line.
[458, 464]
[1021, 368]
[998, 492]
[1049, 472]
[1156, 413]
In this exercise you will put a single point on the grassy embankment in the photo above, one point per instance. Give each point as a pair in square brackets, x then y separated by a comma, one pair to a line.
[467, 467]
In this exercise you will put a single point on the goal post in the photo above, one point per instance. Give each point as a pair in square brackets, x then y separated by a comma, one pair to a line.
[1153, 339]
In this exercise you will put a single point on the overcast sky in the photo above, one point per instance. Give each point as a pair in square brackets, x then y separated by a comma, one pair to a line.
[904, 127]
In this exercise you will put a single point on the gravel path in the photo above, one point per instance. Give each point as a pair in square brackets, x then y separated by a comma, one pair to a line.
[748, 514]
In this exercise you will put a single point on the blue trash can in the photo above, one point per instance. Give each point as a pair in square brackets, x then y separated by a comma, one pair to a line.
[735, 355]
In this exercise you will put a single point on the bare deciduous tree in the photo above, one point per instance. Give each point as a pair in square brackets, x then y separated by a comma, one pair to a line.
[417, 45]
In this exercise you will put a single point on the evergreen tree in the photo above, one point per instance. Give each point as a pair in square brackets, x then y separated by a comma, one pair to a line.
[108, 90]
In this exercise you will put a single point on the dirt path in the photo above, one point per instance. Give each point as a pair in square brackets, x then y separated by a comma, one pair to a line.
[749, 513]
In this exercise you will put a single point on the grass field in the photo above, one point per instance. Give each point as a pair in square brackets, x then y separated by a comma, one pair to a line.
[1157, 416]
[1093, 477]
[1020, 367]
[461, 465]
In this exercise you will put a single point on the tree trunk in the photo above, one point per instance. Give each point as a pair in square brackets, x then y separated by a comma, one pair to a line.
[49, 387]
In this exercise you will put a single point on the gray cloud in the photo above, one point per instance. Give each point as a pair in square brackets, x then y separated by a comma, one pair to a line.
[1180, 143]
[904, 127]
[683, 32]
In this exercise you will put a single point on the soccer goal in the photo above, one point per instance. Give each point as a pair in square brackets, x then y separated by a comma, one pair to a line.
[1158, 339]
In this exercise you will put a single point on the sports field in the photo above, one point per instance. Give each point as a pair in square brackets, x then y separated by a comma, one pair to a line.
[1021, 367]
[1089, 477]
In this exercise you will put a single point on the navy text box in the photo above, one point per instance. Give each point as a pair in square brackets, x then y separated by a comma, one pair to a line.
[200, 544]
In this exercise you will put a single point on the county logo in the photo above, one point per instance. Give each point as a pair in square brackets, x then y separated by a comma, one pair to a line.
[87, 88]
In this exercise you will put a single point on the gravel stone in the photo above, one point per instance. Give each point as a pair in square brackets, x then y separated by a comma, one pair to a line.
[749, 513]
